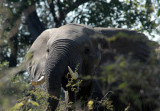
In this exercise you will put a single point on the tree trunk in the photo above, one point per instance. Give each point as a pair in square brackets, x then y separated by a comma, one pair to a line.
[35, 26]
[13, 42]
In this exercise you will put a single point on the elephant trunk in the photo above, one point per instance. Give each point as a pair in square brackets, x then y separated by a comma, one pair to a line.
[61, 55]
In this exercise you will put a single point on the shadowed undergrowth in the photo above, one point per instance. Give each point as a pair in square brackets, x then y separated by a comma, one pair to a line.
[134, 86]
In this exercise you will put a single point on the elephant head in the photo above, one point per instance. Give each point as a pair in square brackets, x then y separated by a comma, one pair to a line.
[55, 50]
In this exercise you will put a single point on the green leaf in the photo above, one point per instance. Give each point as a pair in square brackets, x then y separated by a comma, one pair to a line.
[123, 85]
[127, 1]
[17, 106]
[122, 64]
[111, 78]
[33, 103]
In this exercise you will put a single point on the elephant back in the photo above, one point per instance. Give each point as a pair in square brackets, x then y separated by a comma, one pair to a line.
[124, 42]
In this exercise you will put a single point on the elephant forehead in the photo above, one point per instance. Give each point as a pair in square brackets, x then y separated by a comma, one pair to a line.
[74, 31]
[78, 34]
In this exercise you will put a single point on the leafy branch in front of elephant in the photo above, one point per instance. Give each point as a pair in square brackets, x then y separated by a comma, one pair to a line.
[104, 102]
[25, 104]
[16, 87]
[109, 104]
[36, 100]
[74, 84]
[39, 95]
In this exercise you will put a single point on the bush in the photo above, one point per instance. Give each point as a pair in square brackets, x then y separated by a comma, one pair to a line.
[133, 84]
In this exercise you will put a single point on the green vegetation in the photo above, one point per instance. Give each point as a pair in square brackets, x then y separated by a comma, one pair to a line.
[21, 21]
[135, 83]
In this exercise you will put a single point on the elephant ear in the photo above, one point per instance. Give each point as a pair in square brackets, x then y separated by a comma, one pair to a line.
[36, 56]
[125, 41]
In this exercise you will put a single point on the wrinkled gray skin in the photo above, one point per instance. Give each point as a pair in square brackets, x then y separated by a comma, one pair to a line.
[57, 48]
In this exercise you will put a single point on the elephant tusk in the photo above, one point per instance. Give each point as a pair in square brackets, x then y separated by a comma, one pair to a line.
[39, 82]
[74, 75]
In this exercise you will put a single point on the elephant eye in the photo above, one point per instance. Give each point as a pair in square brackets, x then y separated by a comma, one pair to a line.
[86, 51]
[47, 50]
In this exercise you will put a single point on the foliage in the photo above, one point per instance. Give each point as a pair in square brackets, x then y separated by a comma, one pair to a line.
[74, 84]
[35, 100]
[109, 104]
[135, 83]
[21, 21]
[11, 89]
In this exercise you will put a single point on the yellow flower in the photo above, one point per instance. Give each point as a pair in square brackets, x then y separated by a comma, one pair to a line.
[90, 104]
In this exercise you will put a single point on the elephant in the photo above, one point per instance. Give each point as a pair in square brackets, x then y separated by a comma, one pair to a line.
[58, 50]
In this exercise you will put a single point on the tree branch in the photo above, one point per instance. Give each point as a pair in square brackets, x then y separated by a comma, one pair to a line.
[61, 13]
[76, 4]
[52, 9]
[14, 29]
[63, 10]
